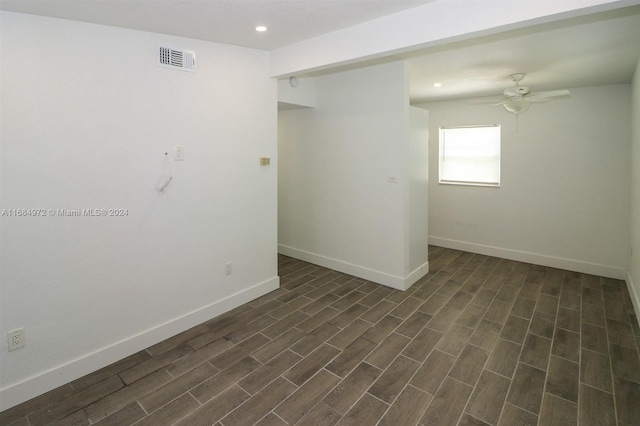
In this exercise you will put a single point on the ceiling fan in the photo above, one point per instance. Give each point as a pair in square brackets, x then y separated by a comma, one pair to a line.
[518, 99]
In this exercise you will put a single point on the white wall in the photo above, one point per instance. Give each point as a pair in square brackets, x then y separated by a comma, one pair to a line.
[417, 231]
[633, 277]
[86, 119]
[336, 206]
[564, 195]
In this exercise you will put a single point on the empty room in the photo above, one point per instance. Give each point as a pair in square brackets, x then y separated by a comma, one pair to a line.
[314, 212]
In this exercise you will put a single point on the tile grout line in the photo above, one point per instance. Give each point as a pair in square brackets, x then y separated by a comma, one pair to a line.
[613, 380]
[515, 369]
[582, 301]
[420, 366]
[464, 409]
[553, 341]
[519, 353]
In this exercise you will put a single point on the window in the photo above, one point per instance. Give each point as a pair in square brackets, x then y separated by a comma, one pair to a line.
[470, 155]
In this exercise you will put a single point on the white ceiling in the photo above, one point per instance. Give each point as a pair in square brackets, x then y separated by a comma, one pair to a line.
[591, 50]
[587, 51]
[222, 21]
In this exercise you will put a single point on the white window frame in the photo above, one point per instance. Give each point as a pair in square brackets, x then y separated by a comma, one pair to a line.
[479, 181]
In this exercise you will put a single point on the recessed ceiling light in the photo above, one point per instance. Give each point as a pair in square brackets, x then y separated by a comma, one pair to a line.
[261, 28]
[437, 84]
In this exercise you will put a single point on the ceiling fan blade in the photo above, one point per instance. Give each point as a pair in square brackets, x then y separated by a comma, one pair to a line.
[537, 100]
[481, 101]
[552, 94]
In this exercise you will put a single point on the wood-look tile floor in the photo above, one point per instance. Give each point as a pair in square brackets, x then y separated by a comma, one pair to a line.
[478, 341]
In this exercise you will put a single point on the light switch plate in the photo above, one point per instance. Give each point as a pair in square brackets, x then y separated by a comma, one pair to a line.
[178, 154]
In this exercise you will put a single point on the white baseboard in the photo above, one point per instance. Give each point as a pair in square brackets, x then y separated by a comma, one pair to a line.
[393, 281]
[536, 259]
[37, 385]
[635, 296]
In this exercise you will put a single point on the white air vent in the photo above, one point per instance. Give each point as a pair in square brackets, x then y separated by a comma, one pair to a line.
[184, 60]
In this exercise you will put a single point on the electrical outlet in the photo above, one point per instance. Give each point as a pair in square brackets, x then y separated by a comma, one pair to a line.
[16, 339]
[228, 268]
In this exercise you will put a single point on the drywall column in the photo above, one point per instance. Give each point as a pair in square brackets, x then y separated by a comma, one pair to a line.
[633, 271]
[417, 163]
[343, 177]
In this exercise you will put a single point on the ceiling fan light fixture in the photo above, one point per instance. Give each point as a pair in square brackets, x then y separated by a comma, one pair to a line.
[517, 106]
[517, 77]
[518, 99]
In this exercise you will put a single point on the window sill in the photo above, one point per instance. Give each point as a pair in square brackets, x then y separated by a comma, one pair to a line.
[489, 185]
